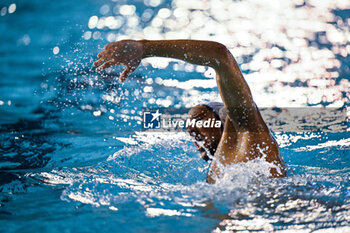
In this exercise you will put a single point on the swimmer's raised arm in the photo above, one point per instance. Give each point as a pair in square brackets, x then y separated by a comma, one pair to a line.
[245, 135]
[233, 89]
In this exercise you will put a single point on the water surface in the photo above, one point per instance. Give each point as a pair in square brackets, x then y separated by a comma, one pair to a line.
[73, 157]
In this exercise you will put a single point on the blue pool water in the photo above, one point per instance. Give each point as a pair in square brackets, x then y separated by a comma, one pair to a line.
[73, 157]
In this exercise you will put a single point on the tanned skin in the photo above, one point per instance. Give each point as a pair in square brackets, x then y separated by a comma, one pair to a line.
[245, 135]
[209, 136]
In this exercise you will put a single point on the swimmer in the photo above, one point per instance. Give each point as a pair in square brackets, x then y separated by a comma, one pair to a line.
[244, 136]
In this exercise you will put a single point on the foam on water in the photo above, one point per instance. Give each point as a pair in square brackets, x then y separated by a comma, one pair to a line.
[166, 178]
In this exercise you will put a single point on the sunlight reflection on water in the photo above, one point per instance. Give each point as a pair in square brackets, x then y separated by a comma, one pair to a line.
[277, 43]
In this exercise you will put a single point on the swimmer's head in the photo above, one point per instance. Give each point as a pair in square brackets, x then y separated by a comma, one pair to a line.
[209, 136]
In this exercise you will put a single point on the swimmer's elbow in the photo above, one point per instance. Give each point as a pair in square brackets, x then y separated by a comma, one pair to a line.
[221, 50]
[223, 56]
[219, 47]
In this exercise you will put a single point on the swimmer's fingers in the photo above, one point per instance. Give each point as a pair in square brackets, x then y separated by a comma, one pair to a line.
[101, 54]
[128, 70]
[106, 65]
[107, 52]
[101, 62]
[111, 45]
[103, 59]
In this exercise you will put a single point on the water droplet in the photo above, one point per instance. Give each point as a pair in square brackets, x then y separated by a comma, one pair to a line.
[56, 50]
[12, 8]
[97, 113]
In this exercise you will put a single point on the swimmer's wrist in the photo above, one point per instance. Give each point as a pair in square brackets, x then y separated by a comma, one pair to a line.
[145, 48]
[156, 48]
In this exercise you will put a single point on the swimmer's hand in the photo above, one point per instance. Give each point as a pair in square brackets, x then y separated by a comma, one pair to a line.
[125, 52]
